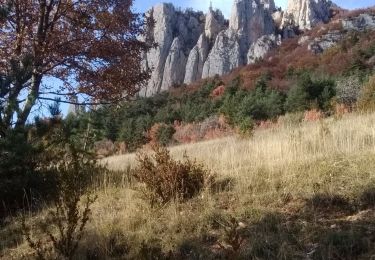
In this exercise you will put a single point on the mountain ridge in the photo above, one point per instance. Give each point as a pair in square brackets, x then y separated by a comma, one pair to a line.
[193, 45]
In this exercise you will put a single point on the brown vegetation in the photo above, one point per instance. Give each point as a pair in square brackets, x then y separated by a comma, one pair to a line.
[91, 46]
[166, 179]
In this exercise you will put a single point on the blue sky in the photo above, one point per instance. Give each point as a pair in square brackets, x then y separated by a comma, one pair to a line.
[225, 5]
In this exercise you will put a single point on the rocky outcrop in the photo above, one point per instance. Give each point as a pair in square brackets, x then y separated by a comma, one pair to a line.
[320, 44]
[307, 13]
[192, 46]
[214, 23]
[269, 5]
[175, 64]
[175, 33]
[360, 23]
[261, 47]
[196, 59]
[162, 34]
[250, 19]
[224, 56]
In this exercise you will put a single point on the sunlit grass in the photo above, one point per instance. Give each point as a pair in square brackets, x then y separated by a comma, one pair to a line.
[277, 182]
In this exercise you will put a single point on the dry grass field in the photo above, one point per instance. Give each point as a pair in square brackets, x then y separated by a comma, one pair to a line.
[298, 191]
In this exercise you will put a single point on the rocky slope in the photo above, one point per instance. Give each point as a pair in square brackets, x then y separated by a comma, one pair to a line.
[193, 45]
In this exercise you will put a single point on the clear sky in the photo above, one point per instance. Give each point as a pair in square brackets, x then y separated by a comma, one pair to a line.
[225, 5]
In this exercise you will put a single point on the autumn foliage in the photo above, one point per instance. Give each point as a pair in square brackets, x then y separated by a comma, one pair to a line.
[92, 47]
[166, 179]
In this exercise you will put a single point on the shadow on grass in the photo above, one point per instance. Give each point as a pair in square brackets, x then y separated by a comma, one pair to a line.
[326, 226]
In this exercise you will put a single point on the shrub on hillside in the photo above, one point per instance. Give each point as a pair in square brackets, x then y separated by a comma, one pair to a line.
[242, 107]
[261, 104]
[133, 131]
[19, 175]
[161, 134]
[313, 115]
[210, 128]
[165, 134]
[66, 222]
[246, 127]
[348, 90]
[166, 179]
[296, 100]
[309, 93]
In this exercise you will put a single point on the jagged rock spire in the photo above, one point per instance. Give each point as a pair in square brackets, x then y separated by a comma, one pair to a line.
[307, 13]
[192, 45]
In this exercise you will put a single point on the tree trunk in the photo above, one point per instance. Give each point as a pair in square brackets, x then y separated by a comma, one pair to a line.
[31, 99]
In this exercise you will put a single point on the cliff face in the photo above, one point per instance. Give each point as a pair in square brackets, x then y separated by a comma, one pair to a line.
[175, 33]
[192, 46]
[250, 20]
[307, 13]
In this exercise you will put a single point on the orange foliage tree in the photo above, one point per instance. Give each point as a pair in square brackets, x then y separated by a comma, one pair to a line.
[92, 46]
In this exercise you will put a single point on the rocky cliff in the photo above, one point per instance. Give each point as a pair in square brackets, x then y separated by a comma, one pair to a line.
[305, 14]
[193, 45]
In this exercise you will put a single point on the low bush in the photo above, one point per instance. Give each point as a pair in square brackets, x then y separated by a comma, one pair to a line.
[166, 179]
[308, 93]
[165, 134]
[20, 174]
[242, 107]
[246, 127]
[161, 134]
[66, 222]
[348, 90]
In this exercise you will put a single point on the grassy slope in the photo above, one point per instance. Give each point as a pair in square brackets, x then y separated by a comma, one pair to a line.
[298, 191]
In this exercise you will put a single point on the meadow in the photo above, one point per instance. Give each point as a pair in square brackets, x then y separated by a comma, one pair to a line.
[293, 191]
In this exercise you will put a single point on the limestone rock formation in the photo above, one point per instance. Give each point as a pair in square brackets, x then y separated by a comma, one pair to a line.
[224, 56]
[192, 46]
[261, 47]
[215, 22]
[196, 59]
[278, 18]
[170, 26]
[303, 39]
[250, 19]
[308, 13]
[269, 5]
[360, 23]
[174, 69]
[330, 39]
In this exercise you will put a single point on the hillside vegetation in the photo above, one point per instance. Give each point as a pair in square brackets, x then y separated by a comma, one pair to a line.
[297, 191]
[290, 79]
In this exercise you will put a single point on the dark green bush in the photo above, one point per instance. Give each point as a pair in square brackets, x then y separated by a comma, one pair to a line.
[19, 174]
[74, 172]
[309, 93]
[165, 134]
[242, 107]
[247, 126]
